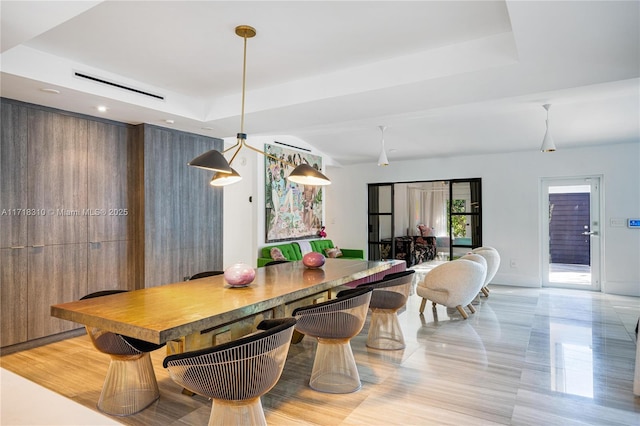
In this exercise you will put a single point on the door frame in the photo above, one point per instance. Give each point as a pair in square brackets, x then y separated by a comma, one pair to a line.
[596, 225]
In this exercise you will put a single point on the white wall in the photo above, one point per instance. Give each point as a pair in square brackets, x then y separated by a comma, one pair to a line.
[240, 211]
[510, 199]
[511, 204]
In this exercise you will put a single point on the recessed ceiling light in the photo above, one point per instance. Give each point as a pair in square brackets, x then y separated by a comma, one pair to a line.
[52, 91]
[102, 108]
[207, 128]
[169, 121]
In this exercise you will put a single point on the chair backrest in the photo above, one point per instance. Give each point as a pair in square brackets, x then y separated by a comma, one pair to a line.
[276, 262]
[338, 318]
[392, 291]
[205, 274]
[238, 370]
[400, 274]
[113, 343]
[492, 257]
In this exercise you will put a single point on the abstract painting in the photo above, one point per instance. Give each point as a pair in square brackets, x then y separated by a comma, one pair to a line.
[293, 211]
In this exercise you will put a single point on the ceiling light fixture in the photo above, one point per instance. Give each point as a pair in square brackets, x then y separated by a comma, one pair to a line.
[547, 143]
[302, 174]
[382, 160]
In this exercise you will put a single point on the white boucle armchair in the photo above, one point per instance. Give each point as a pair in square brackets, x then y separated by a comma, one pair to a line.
[454, 284]
[492, 257]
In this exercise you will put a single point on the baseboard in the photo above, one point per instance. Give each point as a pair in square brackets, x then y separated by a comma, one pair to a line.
[42, 341]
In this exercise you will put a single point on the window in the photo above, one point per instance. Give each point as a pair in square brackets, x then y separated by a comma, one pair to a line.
[451, 208]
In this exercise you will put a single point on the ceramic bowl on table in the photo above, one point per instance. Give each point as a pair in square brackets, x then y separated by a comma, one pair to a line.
[313, 260]
[239, 275]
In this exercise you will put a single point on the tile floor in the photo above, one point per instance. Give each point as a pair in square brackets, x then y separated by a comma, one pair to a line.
[527, 357]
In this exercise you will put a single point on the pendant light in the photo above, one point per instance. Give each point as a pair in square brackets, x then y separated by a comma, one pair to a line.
[382, 160]
[302, 174]
[547, 143]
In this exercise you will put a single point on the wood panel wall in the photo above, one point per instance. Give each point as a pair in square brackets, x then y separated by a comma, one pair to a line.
[183, 213]
[117, 208]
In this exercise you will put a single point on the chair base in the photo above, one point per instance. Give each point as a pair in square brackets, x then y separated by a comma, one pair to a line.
[247, 412]
[384, 331]
[130, 385]
[334, 368]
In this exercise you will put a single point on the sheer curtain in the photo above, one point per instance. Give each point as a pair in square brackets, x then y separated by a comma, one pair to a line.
[427, 206]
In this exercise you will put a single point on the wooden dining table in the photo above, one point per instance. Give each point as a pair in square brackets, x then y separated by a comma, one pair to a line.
[172, 311]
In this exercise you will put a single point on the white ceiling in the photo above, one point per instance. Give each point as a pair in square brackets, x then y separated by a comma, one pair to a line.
[446, 77]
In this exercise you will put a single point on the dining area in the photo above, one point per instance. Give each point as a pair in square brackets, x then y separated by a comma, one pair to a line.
[228, 341]
[442, 376]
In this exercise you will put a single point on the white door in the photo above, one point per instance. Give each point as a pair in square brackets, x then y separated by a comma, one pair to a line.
[571, 243]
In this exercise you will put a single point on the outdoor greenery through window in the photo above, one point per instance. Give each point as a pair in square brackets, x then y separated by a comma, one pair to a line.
[457, 224]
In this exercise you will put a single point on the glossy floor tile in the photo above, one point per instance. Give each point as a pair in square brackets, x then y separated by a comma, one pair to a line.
[527, 357]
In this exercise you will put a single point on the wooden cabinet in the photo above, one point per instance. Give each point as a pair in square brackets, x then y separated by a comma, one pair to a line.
[65, 227]
[57, 274]
[88, 205]
[183, 213]
[115, 206]
[57, 178]
[13, 224]
[13, 296]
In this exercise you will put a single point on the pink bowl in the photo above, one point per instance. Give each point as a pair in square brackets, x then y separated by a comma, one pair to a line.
[313, 260]
[239, 275]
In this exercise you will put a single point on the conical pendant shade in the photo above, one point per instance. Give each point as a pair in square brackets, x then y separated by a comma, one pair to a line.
[304, 174]
[382, 159]
[223, 179]
[211, 160]
[548, 145]
[214, 160]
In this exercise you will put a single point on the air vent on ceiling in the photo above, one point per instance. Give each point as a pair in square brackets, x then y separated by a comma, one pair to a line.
[118, 85]
[292, 146]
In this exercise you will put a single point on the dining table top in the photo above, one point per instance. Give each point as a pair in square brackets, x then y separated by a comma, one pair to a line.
[163, 313]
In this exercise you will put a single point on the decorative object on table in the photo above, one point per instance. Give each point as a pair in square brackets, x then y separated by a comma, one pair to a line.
[313, 260]
[322, 233]
[292, 211]
[333, 252]
[239, 275]
[302, 172]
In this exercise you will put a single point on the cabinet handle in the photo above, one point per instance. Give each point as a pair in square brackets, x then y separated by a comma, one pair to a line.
[16, 247]
[38, 246]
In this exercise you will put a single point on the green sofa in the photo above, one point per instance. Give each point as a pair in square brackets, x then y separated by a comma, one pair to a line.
[292, 251]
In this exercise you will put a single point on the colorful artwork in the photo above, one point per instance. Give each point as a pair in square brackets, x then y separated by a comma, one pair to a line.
[292, 211]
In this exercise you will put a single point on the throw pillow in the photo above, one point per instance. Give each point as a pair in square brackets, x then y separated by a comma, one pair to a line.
[425, 231]
[333, 252]
[276, 254]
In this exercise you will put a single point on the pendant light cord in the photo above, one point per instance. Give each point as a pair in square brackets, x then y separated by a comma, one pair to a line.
[244, 82]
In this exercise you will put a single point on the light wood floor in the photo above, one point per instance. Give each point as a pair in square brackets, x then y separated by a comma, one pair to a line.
[527, 357]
